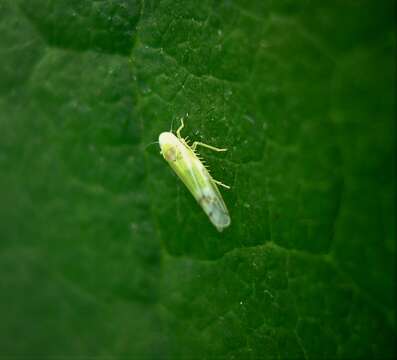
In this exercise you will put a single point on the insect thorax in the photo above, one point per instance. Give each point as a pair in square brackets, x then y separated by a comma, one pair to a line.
[171, 153]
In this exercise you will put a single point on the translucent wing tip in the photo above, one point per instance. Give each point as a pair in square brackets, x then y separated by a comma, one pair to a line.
[221, 226]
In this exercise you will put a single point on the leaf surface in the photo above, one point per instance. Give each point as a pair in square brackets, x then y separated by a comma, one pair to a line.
[103, 251]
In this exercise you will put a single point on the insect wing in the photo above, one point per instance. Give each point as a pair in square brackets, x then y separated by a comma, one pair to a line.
[199, 182]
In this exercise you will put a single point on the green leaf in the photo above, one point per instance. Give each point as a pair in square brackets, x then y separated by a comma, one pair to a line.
[103, 251]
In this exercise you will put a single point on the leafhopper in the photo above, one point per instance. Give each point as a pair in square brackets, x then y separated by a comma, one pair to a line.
[186, 163]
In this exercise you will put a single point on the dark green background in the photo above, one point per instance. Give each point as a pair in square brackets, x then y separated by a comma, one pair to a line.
[103, 252]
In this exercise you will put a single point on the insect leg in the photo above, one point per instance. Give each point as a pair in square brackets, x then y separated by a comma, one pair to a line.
[196, 143]
[221, 184]
[178, 132]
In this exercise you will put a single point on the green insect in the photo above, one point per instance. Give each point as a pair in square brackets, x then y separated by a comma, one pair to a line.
[189, 168]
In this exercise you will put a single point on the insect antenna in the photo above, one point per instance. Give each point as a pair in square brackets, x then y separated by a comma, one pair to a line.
[150, 144]
[172, 123]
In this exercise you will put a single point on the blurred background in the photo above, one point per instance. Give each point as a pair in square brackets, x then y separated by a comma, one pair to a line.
[103, 251]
